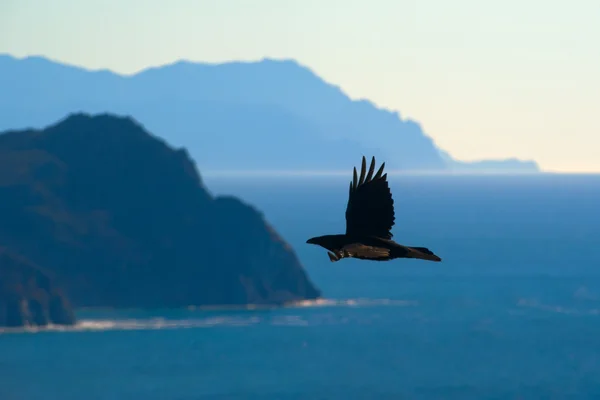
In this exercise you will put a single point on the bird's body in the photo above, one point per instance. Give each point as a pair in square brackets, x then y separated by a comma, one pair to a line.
[369, 220]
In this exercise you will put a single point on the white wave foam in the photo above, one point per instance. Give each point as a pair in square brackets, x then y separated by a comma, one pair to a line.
[360, 302]
[195, 322]
[530, 303]
[585, 294]
[140, 324]
[321, 302]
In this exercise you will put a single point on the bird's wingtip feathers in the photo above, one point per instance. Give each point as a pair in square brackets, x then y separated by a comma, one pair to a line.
[365, 176]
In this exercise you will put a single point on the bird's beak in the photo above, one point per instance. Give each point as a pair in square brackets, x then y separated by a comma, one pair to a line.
[311, 241]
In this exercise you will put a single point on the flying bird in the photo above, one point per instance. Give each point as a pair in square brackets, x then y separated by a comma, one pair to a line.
[369, 220]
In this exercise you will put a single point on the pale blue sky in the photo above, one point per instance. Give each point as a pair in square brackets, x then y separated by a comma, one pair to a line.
[486, 79]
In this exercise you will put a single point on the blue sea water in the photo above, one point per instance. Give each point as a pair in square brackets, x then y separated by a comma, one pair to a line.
[512, 312]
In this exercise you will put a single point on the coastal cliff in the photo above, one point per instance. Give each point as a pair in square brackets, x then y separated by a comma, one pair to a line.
[28, 296]
[124, 220]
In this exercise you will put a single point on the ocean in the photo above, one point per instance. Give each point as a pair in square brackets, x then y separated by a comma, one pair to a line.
[512, 312]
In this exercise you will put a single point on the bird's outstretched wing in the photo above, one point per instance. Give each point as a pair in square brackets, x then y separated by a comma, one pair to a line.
[364, 252]
[361, 251]
[370, 209]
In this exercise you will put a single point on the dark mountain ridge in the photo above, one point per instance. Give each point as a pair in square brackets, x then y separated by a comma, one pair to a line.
[123, 220]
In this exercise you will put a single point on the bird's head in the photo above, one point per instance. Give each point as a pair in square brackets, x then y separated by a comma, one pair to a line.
[325, 241]
[314, 240]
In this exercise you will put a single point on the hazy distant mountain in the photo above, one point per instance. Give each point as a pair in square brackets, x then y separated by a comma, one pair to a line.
[512, 165]
[231, 116]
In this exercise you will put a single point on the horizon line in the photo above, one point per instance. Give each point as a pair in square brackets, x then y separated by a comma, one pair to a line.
[332, 173]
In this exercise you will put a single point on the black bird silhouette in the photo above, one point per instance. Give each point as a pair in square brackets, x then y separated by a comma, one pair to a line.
[369, 220]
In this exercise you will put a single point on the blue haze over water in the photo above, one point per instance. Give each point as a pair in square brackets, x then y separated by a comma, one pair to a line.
[512, 312]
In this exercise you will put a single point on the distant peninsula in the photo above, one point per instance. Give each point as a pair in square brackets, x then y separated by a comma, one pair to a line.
[251, 116]
[121, 219]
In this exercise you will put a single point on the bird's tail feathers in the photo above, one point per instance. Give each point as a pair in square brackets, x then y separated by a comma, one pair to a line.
[423, 253]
